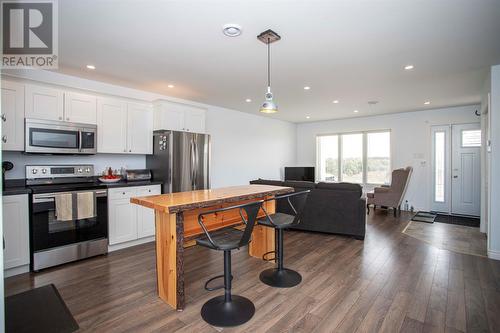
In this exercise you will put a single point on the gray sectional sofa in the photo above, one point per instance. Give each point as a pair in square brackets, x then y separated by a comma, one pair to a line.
[336, 208]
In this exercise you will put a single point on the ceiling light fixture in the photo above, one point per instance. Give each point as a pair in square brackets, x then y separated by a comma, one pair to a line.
[170, 86]
[91, 67]
[268, 37]
[356, 111]
[307, 88]
[427, 102]
[409, 67]
[307, 117]
[248, 100]
[335, 102]
[231, 30]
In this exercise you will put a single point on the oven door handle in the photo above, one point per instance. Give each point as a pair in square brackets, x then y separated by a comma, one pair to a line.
[48, 197]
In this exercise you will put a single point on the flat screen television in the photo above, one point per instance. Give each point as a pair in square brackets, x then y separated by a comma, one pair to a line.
[299, 173]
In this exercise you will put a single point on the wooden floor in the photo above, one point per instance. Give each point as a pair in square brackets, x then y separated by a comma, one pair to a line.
[388, 283]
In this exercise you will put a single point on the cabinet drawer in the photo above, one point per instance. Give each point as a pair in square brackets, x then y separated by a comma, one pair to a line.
[121, 193]
[148, 190]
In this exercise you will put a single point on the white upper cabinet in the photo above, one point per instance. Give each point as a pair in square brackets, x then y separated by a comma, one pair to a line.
[80, 108]
[179, 117]
[44, 103]
[12, 116]
[111, 126]
[139, 128]
[194, 120]
[125, 128]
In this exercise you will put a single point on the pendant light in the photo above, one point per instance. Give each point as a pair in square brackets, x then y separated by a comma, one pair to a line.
[268, 37]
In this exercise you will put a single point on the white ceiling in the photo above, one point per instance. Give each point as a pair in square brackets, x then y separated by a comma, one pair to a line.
[352, 51]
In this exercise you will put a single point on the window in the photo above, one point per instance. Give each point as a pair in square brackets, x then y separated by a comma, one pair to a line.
[352, 158]
[471, 138]
[439, 165]
[363, 157]
[378, 157]
[328, 149]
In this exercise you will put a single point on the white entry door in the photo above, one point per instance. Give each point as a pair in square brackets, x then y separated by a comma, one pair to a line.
[466, 169]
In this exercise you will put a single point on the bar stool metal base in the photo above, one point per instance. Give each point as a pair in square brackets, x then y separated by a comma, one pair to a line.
[280, 278]
[218, 312]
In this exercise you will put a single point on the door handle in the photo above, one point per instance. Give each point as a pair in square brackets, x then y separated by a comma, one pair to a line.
[4, 139]
[455, 176]
[4, 117]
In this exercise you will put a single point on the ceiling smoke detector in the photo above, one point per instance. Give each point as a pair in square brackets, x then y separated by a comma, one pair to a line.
[231, 30]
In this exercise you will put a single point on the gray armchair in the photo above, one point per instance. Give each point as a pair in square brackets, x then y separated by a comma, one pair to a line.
[390, 196]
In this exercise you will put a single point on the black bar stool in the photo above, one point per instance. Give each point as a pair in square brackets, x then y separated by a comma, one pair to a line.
[279, 276]
[228, 310]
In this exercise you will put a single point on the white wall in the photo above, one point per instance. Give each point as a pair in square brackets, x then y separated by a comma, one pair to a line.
[247, 147]
[244, 146]
[494, 225]
[410, 140]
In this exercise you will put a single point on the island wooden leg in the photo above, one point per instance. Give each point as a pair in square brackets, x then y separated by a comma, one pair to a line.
[263, 238]
[170, 258]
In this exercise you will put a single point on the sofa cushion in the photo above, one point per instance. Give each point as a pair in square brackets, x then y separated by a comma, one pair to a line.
[267, 182]
[341, 187]
[299, 184]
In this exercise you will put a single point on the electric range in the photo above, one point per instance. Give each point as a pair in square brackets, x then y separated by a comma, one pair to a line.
[68, 214]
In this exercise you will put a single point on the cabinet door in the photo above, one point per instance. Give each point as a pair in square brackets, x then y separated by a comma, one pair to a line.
[44, 102]
[140, 129]
[146, 216]
[80, 108]
[16, 231]
[194, 120]
[122, 221]
[111, 126]
[12, 116]
[169, 116]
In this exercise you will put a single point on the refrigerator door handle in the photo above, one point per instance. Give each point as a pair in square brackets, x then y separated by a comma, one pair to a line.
[193, 163]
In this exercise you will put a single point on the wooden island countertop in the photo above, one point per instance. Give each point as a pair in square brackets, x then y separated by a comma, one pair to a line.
[182, 201]
[176, 225]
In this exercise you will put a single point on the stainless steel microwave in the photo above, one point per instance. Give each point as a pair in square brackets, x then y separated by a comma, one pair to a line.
[58, 137]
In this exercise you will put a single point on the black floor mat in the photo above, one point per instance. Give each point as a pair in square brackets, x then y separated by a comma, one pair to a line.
[424, 217]
[38, 310]
[458, 220]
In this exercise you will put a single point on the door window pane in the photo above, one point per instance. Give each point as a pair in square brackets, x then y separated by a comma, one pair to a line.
[352, 158]
[471, 138]
[328, 150]
[439, 162]
[378, 157]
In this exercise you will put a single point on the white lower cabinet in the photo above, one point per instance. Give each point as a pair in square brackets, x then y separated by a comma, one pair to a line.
[129, 222]
[16, 231]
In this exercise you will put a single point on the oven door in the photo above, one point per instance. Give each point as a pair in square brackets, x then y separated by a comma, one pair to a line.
[50, 231]
[56, 137]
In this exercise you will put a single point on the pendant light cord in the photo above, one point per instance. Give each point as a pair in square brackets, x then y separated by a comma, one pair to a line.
[268, 62]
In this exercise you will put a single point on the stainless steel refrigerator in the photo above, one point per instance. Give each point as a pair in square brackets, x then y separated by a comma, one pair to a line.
[180, 160]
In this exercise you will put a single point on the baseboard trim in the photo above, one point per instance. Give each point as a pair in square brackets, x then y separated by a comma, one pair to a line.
[120, 246]
[494, 255]
[16, 271]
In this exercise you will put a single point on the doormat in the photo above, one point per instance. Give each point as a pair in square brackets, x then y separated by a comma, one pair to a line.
[38, 310]
[458, 220]
[426, 217]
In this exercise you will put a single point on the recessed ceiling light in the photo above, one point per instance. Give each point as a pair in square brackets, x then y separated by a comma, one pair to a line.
[335, 102]
[170, 86]
[307, 88]
[231, 30]
[248, 100]
[90, 66]
[356, 111]
[427, 102]
[307, 117]
[409, 67]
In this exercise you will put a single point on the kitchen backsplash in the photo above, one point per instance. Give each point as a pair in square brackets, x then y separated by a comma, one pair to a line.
[100, 161]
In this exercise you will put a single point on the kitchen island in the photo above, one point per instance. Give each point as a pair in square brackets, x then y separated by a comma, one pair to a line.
[176, 220]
